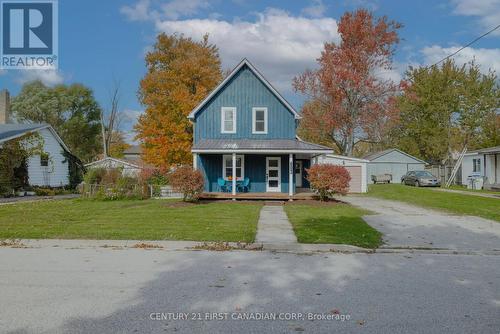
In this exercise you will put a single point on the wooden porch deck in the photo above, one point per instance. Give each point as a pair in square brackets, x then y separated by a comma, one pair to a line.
[258, 196]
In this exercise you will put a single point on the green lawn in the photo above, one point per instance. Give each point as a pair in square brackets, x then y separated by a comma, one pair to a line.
[332, 224]
[452, 202]
[130, 219]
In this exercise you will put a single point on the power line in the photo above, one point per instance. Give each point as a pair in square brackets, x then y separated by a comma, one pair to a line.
[467, 45]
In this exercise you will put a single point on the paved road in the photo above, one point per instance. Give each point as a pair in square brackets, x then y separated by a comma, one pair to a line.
[58, 290]
[405, 225]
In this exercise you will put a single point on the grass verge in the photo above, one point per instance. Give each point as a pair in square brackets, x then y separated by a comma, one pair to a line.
[336, 223]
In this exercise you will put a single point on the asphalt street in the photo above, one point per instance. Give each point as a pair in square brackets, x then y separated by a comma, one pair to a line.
[104, 290]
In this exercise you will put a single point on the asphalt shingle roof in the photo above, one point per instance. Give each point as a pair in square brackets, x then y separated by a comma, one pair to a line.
[257, 144]
[11, 130]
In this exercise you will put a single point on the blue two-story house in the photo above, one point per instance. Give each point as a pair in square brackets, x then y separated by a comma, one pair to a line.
[244, 127]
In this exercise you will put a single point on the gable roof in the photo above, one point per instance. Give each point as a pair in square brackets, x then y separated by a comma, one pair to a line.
[376, 155]
[231, 75]
[13, 131]
[120, 161]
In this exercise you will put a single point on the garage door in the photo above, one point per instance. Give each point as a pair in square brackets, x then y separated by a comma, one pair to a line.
[355, 184]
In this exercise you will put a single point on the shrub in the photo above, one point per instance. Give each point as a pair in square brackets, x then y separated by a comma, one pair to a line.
[44, 191]
[153, 176]
[187, 181]
[94, 175]
[110, 184]
[327, 180]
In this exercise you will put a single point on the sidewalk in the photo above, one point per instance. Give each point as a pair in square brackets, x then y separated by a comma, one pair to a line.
[274, 227]
[173, 245]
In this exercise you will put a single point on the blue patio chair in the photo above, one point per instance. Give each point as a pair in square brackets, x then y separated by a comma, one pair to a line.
[222, 184]
[244, 186]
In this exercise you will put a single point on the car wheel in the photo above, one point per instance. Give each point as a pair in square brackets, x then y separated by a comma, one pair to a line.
[417, 184]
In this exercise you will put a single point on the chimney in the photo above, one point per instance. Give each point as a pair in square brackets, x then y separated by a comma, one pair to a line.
[4, 106]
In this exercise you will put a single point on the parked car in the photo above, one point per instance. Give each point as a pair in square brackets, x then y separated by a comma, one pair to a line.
[420, 178]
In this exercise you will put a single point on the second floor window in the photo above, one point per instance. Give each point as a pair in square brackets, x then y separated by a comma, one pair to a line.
[228, 120]
[259, 120]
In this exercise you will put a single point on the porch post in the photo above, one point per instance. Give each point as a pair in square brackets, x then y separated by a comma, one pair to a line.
[291, 169]
[195, 161]
[234, 175]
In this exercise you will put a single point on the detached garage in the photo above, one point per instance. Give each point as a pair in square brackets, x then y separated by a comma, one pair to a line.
[394, 162]
[356, 168]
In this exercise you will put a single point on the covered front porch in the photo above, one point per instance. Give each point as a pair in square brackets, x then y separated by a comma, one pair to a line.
[302, 194]
[262, 172]
[491, 160]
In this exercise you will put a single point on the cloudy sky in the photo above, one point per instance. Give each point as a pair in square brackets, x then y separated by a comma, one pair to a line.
[104, 41]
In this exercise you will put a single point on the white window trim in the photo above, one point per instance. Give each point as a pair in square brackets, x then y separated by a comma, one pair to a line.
[478, 165]
[229, 156]
[254, 112]
[222, 113]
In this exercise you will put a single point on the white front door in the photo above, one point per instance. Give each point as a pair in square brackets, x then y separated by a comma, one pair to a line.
[298, 173]
[273, 174]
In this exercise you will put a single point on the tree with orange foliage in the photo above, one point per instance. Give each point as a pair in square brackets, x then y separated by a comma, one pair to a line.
[180, 73]
[347, 97]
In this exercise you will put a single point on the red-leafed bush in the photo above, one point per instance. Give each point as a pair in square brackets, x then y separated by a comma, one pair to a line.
[187, 181]
[327, 180]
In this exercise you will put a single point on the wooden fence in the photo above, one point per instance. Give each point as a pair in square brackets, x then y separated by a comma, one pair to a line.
[443, 173]
[147, 191]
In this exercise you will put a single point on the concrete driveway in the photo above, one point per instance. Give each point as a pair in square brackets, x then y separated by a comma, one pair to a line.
[103, 290]
[405, 225]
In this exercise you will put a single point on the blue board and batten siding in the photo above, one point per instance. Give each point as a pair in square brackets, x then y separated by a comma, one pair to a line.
[244, 91]
[255, 169]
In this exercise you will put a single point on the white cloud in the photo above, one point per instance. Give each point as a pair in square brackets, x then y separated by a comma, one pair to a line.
[137, 12]
[48, 77]
[317, 9]
[143, 10]
[131, 115]
[128, 118]
[485, 58]
[281, 45]
[487, 11]
[177, 8]
[395, 74]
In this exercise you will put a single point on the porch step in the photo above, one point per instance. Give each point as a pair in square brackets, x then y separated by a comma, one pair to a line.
[274, 203]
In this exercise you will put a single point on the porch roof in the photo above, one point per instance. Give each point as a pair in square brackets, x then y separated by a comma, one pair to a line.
[258, 146]
[487, 150]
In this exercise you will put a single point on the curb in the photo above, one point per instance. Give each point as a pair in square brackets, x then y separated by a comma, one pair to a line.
[294, 248]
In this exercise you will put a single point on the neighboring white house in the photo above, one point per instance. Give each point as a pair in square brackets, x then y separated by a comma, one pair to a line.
[129, 167]
[357, 169]
[484, 162]
[51, 170]
[394, 162]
